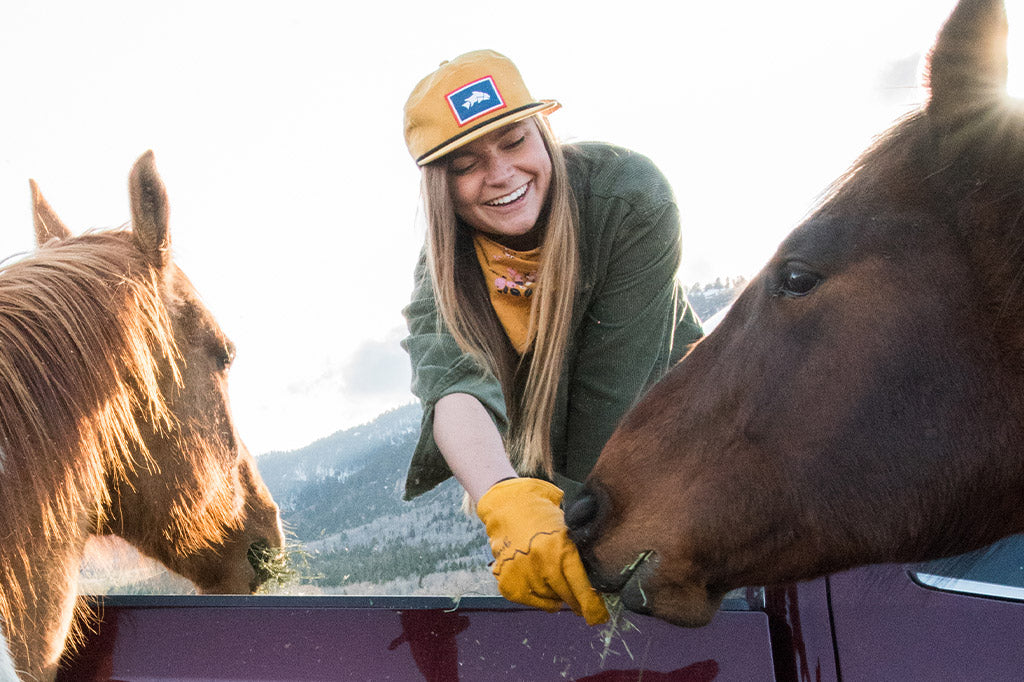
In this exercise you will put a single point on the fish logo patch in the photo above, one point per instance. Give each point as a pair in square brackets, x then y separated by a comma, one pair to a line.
[474, 100]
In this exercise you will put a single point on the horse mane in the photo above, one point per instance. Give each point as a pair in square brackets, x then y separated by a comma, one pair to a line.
[84, 340]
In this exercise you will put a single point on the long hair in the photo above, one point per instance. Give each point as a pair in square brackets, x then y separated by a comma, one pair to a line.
[530, 382]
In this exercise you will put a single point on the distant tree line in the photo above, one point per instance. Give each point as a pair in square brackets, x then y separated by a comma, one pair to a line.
[708, 298]
[380, 562]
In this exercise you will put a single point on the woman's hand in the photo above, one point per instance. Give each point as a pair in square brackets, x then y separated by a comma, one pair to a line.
[534, 561]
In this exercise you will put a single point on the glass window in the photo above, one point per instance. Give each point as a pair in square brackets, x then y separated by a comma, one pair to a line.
[994, 571]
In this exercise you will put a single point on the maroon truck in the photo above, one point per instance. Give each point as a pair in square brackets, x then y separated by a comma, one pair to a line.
[959, 619]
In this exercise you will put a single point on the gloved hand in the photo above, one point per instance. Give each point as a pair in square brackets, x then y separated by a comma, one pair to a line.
[534, 561]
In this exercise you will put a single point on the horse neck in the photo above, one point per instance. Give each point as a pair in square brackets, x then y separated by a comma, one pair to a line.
[40, 610]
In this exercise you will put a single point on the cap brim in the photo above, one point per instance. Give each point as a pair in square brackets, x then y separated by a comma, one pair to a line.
[467, 136]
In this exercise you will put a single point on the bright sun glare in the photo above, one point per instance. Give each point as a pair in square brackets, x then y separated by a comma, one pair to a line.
[1015, 48]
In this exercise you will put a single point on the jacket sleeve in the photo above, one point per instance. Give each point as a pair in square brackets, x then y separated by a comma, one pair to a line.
[439, 368]
[637, 324]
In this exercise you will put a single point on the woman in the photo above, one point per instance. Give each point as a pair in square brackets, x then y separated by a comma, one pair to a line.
[545, 303]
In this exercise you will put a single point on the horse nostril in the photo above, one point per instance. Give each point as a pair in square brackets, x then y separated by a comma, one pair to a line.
[580, 517]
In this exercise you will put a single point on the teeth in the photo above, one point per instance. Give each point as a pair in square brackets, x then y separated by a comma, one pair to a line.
[509, 198]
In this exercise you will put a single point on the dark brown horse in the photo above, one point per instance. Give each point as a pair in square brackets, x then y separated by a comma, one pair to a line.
[114, 419]
[863, 401]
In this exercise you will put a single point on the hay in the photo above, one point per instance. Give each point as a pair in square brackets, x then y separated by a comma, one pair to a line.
[615, 627]
[617, 623]
[277, 567]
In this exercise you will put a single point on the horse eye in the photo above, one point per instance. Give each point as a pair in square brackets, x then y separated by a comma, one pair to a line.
[798, 283]
[225, 356]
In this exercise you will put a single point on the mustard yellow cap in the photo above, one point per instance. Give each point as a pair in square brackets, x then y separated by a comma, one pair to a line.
[464, 99]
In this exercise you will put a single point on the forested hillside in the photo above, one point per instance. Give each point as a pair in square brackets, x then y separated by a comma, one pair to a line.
[356, 532]
[708, 299]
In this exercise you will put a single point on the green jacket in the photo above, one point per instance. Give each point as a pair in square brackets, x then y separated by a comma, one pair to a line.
[630, 321]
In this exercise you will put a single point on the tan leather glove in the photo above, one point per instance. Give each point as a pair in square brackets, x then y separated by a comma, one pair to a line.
[534, 561]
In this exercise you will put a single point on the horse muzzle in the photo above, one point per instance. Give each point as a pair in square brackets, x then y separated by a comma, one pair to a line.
[269, 562]
[584, 519]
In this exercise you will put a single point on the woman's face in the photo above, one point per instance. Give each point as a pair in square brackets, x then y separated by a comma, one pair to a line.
[499, 182]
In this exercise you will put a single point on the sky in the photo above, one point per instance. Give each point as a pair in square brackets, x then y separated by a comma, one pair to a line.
[277, 128]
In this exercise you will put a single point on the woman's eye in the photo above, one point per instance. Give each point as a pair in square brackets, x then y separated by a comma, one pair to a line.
[460, 169]
[515, 143]
[798, 282]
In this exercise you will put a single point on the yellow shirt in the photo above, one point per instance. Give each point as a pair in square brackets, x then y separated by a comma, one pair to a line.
[510, 277]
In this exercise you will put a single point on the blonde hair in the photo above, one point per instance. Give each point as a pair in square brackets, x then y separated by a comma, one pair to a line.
[464, 304]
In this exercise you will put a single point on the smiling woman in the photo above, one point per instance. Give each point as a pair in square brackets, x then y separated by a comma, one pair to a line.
[545, 302]
[483, 171]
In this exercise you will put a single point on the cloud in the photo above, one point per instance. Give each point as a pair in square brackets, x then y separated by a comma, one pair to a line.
[377, 368]
[900, 79]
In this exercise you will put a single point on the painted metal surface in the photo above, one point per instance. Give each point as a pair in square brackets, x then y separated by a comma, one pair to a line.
[868, 624]
[802, 646]
[347, 638]
[890, 627]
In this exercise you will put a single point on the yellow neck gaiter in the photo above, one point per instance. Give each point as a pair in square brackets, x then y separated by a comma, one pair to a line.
[510, 277]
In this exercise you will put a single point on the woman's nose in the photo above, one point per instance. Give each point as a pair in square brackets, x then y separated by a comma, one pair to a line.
[499, 170]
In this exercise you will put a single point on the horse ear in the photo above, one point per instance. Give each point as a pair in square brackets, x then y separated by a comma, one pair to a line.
[967, 67]
[150, 210]
[44, 219]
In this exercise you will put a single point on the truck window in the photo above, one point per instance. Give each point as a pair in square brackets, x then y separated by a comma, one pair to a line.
[995, 571]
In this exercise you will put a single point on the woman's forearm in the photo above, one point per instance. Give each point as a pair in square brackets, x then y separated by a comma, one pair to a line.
[470, 443]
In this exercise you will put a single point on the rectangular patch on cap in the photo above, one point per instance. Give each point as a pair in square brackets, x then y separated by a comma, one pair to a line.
[474, 100]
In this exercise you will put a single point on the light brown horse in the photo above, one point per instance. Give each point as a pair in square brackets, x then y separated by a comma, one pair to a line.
[114, 419]
[863, 401]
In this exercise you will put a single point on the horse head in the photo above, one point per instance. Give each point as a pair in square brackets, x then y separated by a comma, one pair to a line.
[863, 401]
[193, 498]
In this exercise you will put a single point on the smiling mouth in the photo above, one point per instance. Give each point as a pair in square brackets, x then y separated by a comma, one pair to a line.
[508, 198]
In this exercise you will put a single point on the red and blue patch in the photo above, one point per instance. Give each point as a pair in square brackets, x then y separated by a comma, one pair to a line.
[474, 100]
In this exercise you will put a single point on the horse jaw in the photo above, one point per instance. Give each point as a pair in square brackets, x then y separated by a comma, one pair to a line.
[680, 596]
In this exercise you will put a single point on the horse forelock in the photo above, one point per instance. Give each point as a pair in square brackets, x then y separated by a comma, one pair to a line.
[969, 177]
[84, 342]
[892, 157]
